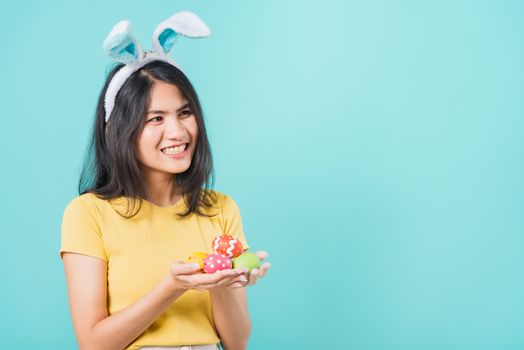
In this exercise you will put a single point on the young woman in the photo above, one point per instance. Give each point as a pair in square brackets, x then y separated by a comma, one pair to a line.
[144, 206]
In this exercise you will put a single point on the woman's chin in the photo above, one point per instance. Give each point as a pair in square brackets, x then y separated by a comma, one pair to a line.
[178, 169]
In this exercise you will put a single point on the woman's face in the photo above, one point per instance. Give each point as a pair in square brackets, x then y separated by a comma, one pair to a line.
[168, 140]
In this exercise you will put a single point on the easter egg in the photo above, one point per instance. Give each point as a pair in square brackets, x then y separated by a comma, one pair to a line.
[199, 258]
[249, 261]
[227, 245]
[216, 262]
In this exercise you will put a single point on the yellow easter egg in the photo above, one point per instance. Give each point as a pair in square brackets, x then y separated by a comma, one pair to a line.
[198, 257]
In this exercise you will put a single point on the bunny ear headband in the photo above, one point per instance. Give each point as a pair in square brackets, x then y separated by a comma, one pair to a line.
[123, 47]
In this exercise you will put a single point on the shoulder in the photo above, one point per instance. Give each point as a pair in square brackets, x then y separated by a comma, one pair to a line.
[86, 203]
[84, 199]
[224, 203]
[219, 199]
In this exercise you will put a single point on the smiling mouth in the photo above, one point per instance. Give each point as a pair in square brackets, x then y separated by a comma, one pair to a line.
[175, 150]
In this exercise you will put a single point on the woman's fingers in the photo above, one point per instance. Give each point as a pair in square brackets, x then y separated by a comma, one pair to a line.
[230, 278]
[253, 277]
[255, 274]
[238, 282]
[188, 278]
[262, 254]
[204, 280]
[180, 267]
[225, 281]
[264, 268]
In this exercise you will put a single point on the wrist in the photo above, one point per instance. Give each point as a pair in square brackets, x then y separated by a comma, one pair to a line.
[171, 286]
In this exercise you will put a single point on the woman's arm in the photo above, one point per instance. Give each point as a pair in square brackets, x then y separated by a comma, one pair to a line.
[230, 311]
[87, 288]
[231, 317]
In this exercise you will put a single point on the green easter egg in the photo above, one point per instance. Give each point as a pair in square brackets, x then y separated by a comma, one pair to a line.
[247, 260]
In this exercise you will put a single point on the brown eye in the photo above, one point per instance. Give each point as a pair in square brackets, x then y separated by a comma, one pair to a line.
[154, 119]
[186, 113]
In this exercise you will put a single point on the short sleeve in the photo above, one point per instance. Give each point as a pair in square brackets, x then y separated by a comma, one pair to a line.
[233, 221]
[80, 229]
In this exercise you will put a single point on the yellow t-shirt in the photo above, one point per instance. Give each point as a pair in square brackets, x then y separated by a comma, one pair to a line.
[139, 252]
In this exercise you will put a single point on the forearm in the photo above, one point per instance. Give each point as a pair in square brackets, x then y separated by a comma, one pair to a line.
[120, 329]
[231, 318]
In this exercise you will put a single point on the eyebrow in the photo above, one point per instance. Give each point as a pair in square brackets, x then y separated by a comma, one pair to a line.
[156, 111]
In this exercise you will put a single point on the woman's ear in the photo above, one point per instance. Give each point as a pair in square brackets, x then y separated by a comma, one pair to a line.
[182, 23]
[121, 45]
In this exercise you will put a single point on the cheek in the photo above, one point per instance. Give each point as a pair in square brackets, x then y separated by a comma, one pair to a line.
[145, 141]
[148, 137]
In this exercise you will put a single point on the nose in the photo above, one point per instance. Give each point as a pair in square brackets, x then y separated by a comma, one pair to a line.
[174, 128]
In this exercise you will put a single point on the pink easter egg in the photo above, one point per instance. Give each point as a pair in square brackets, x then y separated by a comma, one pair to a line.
[216, 262]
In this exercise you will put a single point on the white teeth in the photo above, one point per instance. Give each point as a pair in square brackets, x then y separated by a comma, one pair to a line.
[175, 150]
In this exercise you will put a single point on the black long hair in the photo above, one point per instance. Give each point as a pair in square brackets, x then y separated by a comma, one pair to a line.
[111, 168]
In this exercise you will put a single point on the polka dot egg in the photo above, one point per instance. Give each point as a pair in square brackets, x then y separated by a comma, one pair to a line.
[216, 262]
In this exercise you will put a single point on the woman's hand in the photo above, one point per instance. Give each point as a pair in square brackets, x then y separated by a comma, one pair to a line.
[186, 276]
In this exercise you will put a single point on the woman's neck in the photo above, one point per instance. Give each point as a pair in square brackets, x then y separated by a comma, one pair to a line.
[161, 189]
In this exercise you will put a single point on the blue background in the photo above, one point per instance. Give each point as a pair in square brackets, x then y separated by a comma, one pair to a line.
[375, 149]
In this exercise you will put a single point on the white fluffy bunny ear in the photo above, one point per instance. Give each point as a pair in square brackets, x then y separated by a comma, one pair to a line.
[121, 45]
[182, 23]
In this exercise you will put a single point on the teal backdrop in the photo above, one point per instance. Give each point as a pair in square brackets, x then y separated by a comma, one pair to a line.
[375, 149]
